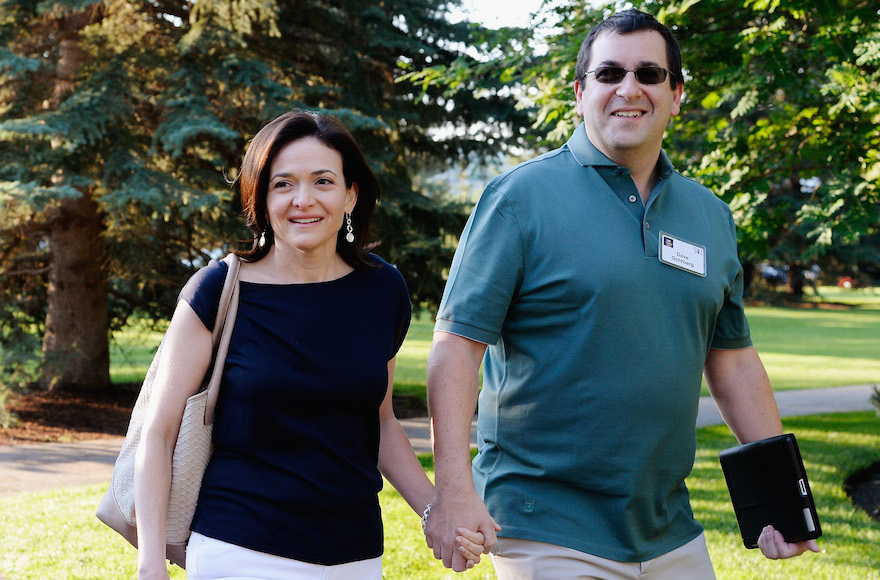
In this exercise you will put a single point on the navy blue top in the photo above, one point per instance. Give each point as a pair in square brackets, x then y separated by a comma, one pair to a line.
[296, 434]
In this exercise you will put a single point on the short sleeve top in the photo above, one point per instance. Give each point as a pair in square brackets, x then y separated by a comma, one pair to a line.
[296, 435]
[592, 376]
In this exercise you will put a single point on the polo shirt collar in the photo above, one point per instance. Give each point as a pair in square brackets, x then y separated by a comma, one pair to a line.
[586, 154]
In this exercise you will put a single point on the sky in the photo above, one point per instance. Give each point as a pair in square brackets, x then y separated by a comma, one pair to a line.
[498, 13]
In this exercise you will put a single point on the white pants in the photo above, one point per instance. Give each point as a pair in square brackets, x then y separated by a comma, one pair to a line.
[528, 560]
[210, 559]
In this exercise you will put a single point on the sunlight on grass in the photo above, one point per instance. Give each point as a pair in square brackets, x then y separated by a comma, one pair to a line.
[412, 358]
[801, 347]
[132, 349]
[860, 297]
[55, 536]
[806, 372]
[833, 447]
[817, 348]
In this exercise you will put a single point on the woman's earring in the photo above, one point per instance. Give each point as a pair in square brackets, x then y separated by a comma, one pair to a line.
[349, 237]
[262, 241]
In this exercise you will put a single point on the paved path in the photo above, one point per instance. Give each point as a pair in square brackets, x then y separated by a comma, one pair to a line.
[53, 465]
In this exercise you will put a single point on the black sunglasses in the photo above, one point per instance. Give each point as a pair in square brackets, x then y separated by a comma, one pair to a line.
[647, 75]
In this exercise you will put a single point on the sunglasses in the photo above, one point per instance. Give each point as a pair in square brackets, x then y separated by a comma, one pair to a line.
[646, 75]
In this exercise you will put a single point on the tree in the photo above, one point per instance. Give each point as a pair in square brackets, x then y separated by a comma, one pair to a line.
[781, 120]
[118, 120]
[780, 116]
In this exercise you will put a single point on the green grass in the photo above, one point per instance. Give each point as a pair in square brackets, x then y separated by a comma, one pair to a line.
[132, 349]
[55, 536]
[412, 358]
[802, 348]
[860, 297]
[833, 447]
[817, 348]
[808, 348]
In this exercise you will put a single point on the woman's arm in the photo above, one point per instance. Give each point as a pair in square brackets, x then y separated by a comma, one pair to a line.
[399, 464]
[397, 460]
[186, 354]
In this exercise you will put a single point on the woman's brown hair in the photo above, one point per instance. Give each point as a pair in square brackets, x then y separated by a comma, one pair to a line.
[253, 180]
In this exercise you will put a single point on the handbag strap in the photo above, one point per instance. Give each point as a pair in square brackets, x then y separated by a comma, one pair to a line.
[226, 313]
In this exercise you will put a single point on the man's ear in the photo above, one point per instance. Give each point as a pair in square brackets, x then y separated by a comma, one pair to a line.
[677, 93]
[579, 97]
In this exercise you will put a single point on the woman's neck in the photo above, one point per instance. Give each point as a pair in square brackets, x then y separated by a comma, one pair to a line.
[285, 266]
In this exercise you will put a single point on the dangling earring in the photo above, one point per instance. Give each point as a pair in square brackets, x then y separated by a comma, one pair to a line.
[262, 241]
[349, 237]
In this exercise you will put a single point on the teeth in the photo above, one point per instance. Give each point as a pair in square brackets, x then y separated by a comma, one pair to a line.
[628, 114]
[306, 221]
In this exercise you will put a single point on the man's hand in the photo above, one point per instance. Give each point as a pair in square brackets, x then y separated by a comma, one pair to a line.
[774, 546]
[452, 521]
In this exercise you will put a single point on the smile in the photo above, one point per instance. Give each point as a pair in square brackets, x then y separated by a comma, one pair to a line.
[305, 220]
[628, 114]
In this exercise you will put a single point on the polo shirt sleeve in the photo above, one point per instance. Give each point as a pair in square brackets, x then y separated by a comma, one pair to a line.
[731, 327]
[486, 271]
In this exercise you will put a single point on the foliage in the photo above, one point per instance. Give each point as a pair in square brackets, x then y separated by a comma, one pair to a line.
[781, 120]
[147, 106]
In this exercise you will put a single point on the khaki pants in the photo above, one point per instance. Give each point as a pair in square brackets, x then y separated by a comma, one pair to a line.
[527, 560]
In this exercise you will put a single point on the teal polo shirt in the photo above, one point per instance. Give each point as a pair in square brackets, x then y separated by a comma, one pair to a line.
[592, 376]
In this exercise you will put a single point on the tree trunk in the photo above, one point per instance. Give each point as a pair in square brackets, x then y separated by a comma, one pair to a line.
[796, 280]
[76, 346]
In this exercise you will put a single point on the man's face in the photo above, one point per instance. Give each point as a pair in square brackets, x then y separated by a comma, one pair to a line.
[626, 120]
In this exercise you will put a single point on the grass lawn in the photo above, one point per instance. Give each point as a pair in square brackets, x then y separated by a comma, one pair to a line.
[807, 348]
[801, 348]
[55, 536]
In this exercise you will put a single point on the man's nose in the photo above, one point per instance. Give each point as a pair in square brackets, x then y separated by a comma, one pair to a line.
[629, 87]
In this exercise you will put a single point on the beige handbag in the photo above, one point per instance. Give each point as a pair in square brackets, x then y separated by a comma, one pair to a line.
[192, 450]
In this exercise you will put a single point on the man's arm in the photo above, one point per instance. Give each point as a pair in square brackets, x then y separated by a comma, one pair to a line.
[741, 390]
[453, 388]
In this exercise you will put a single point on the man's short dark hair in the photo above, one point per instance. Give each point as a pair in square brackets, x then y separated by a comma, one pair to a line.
[625, 22]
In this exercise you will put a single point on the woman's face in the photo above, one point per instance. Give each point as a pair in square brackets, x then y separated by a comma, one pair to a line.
[307, 198]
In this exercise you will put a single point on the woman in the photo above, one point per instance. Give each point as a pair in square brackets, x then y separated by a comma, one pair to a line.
[304, 427]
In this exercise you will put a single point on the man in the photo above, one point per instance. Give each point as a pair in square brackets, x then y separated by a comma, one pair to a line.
[600, 284]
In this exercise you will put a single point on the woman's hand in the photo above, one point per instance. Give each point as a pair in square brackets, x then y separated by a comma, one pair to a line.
[471, 545]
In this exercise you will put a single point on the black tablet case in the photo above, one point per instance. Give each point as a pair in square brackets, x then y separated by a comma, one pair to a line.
[768, 485]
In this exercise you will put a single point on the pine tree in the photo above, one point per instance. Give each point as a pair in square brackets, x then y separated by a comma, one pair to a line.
[120, 122]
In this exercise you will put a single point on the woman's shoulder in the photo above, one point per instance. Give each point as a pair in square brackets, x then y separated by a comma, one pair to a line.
[382, 268]
[202, 291]
[207, 278]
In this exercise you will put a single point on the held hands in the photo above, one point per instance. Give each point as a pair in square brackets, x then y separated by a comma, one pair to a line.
[470, 545]
[460, 546]
[774, 546]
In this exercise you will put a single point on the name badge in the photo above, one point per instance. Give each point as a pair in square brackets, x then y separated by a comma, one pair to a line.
[681, 254]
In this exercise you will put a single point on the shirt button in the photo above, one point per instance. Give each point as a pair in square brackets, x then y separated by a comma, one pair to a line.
[632, 199]
[648, 225]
